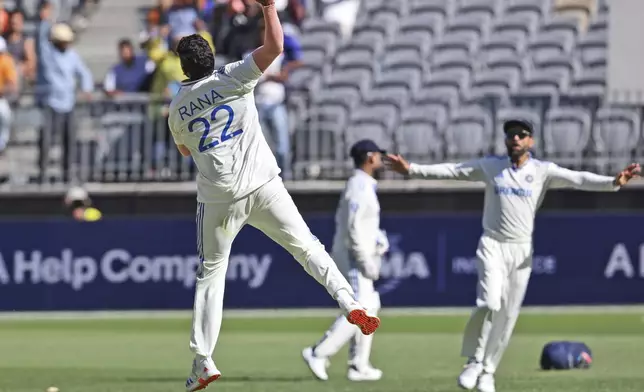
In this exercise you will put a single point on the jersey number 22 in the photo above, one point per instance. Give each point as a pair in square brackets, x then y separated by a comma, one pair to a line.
[206, 128]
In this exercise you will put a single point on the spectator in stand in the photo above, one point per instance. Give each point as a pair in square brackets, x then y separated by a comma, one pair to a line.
[270, 98]
[343, 12]
[130, 74]
[21, 47]
[59, 66]
[8, 88]
[4, 19]
[238, 28]
[182, 17]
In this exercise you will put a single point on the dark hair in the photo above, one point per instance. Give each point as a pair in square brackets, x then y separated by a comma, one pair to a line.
[123, 42]
[197, 58]
[360, 159]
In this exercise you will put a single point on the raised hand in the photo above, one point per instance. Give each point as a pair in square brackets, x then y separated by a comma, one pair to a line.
[397, 163]
[631, 171]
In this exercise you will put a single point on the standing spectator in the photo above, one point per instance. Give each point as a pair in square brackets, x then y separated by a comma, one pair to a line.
[8, 87]
[21, 46]
[182, 17]
[130, 74]
[270, 98]
[239, 29]
[59, 66]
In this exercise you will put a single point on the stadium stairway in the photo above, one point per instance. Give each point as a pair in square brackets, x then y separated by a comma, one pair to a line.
[114, 19]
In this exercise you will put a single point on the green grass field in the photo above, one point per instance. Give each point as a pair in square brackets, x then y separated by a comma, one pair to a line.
[416, 353]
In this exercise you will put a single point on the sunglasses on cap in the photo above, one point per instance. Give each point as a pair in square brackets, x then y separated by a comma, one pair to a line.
[518, 132]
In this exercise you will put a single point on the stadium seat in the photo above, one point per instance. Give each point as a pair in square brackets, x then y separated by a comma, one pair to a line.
[582, 10]
[599, 24]
[358, 79]
[590, 82]
[489, 8]
[355, 59]
[348, 97]
[427, 23]
[409, 79]
[551, 44]
[444, 8]
[502, 45]
[561, 24]
[493, 84]
[616, 133]
[402, 59]
[420, 141]
[593, 49]
[520, 26]
[538, 8]
[417, 41]
[396, 96]
[377, 112]
[469, 134]
[370, 40]
[314, 25]
[566, 135]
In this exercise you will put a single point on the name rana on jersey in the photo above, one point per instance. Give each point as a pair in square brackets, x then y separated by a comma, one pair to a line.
[200, 104]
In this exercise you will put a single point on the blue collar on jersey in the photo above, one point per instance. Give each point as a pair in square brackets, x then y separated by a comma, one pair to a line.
[515, 167]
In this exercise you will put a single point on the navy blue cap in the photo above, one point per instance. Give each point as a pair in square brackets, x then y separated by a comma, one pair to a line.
[525, 125]
[365, 146]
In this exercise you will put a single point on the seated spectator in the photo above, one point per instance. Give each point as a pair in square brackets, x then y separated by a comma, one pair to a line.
[343, 12]
[21, 46]
[130, 74]
[158, 16]
[270, 98]
[8, 88]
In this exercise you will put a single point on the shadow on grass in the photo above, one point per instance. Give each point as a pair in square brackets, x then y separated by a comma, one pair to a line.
[223, 379]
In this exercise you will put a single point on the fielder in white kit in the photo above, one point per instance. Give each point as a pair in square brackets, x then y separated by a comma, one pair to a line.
[214, 120]
[514, 190]
[358, 246]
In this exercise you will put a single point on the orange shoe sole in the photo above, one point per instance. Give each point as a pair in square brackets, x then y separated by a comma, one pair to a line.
[204, 383]
[367, 324]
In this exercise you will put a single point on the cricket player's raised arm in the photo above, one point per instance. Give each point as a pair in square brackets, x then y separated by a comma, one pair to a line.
[559, 177]
[465, 171]
[252, 67]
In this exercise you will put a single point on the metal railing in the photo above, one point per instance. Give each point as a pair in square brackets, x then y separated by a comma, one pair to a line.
[127, 140]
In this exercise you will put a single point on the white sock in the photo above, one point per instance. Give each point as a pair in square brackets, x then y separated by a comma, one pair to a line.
[335, 338]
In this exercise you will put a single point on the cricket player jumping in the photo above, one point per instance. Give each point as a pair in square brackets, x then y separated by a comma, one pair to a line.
[358, 246]
[514, 190]
[213, 118]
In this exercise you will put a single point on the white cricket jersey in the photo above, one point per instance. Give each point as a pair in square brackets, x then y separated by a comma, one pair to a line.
[357, 223]
[216, 118]
[513, 195]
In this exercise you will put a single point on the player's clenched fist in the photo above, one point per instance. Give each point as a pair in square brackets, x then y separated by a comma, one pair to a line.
[397, 163]
[631, 171]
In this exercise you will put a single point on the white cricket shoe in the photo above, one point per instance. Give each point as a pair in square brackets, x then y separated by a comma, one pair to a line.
[368, 373]
[470, 375]
[486, 383]
[317, 365]
[203, 373]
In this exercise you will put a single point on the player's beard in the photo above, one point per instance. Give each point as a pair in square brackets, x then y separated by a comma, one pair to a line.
[516, 154]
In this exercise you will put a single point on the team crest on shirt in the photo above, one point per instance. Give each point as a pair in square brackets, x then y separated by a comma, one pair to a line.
[529, 178]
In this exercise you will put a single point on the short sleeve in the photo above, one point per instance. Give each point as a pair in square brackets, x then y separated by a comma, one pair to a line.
[176, 133]
[244, 71]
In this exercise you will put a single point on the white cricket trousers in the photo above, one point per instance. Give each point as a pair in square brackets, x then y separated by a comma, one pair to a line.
[271, 210]
[503, 273]
[342, 332]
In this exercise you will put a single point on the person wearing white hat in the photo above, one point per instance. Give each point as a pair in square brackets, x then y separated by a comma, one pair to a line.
[8, 87]
[59, 68]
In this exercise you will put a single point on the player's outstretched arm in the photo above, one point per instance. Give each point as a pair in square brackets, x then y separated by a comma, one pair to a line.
[466, 171]
[273, 37]
[560, 177]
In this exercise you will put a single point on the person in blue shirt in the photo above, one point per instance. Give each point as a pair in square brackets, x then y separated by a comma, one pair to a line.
[130, 73]
[58, 68]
